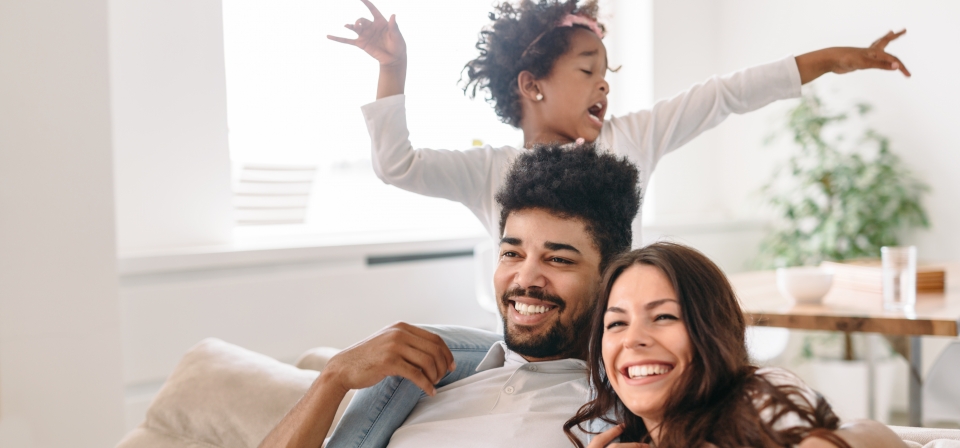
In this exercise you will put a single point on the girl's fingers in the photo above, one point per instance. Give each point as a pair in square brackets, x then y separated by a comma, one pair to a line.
[342, 40]
[373, 10]
[901, 67]
[604, 438]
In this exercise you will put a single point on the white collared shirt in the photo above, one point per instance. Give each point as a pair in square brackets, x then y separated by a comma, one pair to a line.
[508, 402]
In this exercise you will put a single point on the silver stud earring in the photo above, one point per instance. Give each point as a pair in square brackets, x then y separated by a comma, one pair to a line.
[539, 96]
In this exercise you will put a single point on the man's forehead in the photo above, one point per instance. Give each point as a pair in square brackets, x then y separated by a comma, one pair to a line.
[540, 227]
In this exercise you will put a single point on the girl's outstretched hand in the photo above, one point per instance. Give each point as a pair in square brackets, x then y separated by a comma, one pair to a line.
[847, 59]
[380, 38]
[604, 438]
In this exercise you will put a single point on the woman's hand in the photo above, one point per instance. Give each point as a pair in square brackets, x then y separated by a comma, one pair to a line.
[604, 438]
[847, 59]
[380, 38]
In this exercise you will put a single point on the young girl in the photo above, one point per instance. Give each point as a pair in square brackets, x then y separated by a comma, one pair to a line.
[669, 366]
[543, 65]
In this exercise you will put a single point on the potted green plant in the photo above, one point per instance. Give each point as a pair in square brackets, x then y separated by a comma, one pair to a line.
[838, 198]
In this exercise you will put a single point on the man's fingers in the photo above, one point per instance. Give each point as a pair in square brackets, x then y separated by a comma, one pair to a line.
[373, 10]
[423, 361]
[433, 344]
[342, 40]
[414, 374]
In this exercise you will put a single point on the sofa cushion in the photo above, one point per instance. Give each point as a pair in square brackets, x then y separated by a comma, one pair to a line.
[220, 395]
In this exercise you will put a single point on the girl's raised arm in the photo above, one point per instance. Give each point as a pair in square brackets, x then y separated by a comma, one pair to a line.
[847, 59]
[381, 39]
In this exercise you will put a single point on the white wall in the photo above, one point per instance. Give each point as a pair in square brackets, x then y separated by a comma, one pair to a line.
[169, 124]
[719, 173]
[60, 365]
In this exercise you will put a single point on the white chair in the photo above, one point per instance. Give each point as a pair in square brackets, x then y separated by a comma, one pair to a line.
[941, 388]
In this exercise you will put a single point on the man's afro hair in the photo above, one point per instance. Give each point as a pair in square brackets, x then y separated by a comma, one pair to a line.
[523, 37]
[599, 188]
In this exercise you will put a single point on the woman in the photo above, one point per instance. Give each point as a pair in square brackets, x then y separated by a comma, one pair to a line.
[670, 368]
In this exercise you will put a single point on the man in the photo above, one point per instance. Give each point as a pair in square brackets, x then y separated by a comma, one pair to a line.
[566, 214]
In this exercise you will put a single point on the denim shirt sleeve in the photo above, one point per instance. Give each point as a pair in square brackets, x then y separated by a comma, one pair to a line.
[376, 412]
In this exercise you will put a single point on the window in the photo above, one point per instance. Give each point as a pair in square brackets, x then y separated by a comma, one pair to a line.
[294, 97]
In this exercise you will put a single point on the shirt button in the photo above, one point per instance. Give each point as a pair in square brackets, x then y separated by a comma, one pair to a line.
[532, 368]
[508, 389]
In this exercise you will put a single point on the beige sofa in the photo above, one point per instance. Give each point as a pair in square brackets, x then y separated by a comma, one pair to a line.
[224, 396]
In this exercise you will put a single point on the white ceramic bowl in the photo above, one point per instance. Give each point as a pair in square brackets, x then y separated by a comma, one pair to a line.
[804, 284]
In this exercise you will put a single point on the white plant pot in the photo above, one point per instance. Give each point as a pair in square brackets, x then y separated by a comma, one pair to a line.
[845, 386]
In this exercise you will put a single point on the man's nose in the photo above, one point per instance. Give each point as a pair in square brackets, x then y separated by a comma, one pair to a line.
[530, 274]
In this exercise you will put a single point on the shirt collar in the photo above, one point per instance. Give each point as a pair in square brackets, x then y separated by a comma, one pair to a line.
[501, 356]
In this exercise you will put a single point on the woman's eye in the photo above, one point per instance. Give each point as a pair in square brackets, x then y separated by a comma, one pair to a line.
[665, 317]
[615, 324]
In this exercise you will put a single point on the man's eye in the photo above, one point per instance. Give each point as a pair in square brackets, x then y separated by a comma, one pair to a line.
[561, 260]
[509, 254]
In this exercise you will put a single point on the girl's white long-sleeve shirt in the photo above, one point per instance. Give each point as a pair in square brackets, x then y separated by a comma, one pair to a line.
[473, 176]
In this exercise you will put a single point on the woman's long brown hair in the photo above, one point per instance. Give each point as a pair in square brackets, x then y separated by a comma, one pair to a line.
[718, 399]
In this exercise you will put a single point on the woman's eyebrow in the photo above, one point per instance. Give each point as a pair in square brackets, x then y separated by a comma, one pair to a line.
[657, 303]
[614, 309]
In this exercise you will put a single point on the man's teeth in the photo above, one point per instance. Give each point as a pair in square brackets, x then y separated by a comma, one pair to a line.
[647, 370]
[527, 310]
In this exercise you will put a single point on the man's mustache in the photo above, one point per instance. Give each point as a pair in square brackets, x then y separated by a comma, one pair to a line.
[534, 293]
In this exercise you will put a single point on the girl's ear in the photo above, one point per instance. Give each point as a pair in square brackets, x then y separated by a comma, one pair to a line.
[528, 86]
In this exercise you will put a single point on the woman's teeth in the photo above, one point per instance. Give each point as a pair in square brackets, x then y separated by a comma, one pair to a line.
[527, 310]
[647, 370]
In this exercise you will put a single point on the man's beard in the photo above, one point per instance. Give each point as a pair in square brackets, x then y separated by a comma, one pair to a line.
[558, 340]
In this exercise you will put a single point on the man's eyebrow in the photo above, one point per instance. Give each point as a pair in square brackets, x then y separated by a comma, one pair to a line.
[511, 241]
[560, 246]
[657, 303]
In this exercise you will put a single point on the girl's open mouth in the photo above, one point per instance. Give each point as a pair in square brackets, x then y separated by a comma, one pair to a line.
[596, 113]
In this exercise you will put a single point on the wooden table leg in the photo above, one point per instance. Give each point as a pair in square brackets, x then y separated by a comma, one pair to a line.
[915, 381]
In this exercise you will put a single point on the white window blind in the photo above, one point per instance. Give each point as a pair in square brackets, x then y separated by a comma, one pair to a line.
[294, 97]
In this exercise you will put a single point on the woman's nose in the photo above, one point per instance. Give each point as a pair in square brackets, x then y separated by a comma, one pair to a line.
[637, 337]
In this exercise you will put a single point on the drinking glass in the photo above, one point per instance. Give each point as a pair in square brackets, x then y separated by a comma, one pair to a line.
[899, 277]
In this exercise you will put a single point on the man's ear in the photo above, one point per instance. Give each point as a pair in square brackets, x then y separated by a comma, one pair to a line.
[528, 86]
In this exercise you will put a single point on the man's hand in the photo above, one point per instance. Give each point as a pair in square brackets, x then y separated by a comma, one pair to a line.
[398, 350]
[380, 38]
[847, 59]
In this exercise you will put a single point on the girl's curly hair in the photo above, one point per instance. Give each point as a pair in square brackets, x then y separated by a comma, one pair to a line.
[523, 37]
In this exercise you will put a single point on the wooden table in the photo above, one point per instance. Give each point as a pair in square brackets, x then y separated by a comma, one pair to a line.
[851, 311]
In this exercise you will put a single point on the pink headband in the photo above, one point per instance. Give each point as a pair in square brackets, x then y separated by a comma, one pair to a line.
[573, 19]
[568, 20]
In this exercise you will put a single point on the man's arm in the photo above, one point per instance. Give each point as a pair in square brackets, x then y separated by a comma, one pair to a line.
[847, 59]
[860, 434]
[398, 350]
